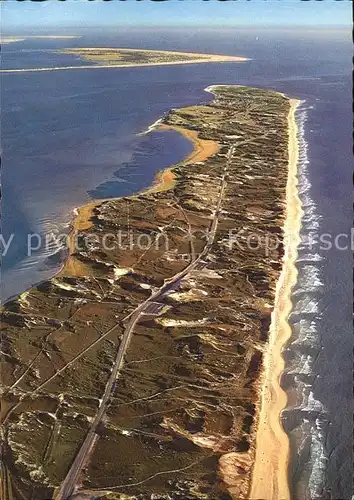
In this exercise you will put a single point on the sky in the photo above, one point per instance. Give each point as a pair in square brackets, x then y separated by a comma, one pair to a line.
[212, 13]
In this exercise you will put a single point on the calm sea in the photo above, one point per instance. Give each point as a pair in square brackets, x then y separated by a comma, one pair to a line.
[71, 135]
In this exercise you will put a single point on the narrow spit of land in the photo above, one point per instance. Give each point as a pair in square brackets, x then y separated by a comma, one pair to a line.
[19, 38]
[120, 58]
[140, 375]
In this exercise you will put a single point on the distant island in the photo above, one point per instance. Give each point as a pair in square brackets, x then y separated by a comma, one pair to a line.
[121, 57]
[145, 371]
[143, 57]
[13, 39]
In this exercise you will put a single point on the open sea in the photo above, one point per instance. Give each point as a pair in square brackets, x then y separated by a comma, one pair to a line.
[68, 136]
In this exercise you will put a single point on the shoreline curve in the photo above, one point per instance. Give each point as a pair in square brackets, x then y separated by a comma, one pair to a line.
[212, 59]
[164, 180]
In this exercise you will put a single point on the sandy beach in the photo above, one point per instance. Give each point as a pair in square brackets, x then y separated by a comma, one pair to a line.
[202, 149]
[270, 472]
[82, 222]
[204, 58]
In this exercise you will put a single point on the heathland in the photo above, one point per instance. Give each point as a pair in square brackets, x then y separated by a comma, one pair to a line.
[137, 370]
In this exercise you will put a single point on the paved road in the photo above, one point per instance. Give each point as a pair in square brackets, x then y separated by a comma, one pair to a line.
[5, 478]
[71, 480]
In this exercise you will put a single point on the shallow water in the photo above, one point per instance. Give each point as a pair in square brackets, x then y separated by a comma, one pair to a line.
[73, 134]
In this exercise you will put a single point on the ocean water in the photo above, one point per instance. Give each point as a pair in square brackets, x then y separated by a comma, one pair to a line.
[319, 355]
[71, 135]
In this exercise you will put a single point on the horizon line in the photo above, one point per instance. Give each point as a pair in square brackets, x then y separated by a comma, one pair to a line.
[176, 26]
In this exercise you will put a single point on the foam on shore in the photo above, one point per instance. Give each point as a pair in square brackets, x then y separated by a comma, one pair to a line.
[152, 127]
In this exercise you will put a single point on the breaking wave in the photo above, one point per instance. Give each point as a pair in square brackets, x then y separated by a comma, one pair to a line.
[305, 418]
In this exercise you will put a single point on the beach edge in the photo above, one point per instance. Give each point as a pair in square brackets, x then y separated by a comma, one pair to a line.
[270, 472]
[164, 180]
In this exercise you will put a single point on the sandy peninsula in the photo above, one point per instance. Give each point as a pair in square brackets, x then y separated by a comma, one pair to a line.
[105, 58]
[270, 474]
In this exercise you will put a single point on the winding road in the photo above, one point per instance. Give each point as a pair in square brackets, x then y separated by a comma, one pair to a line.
[70, 484]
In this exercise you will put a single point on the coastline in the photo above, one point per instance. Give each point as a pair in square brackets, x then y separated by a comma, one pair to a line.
[216, 59]
[21, 38]
[270, 475]
[81, 222]
[203, 149]
[164, 180]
